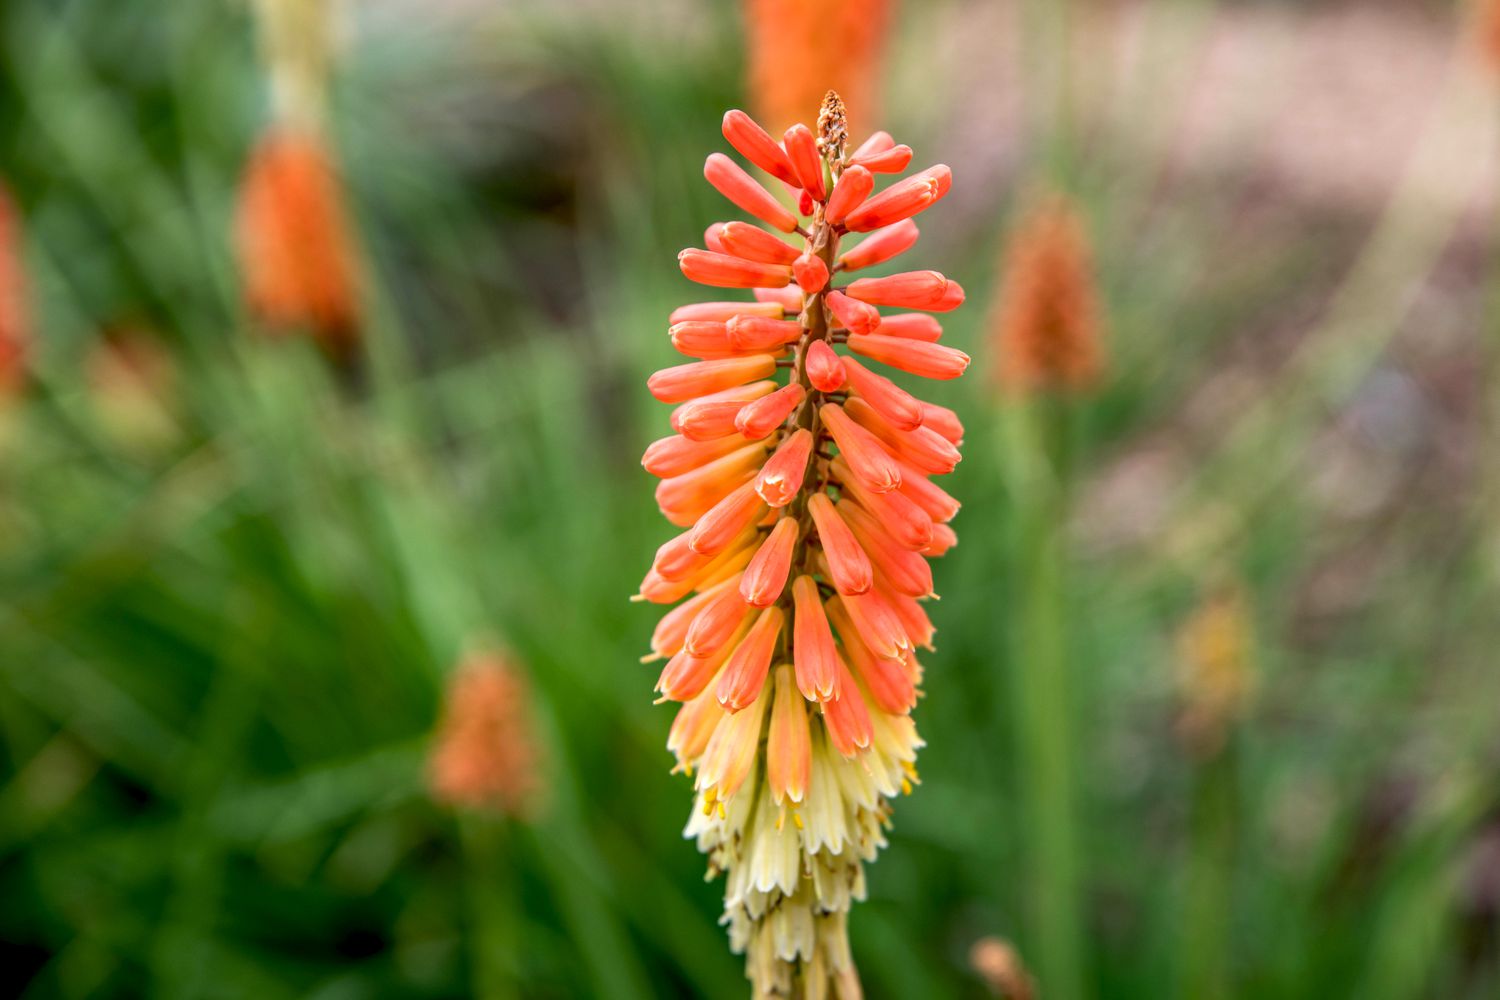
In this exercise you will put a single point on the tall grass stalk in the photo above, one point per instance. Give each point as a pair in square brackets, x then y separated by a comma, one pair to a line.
[1040, 442]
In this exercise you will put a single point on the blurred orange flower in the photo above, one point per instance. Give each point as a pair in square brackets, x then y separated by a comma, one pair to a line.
[1047, 323]
[486, 755]
[800, 49]
[15, 320]
[294, 242]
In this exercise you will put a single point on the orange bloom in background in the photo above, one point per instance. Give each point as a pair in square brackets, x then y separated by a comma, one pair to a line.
[15, 320]
[485, 755]
[800, 49]
[808, 515]
[295, 245]
[999, 964]
[1486, 29]
[1047, 323]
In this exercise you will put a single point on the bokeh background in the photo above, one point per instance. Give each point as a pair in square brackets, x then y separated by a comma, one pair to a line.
[236, 577]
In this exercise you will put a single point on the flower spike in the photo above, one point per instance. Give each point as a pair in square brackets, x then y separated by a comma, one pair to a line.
[807, 518]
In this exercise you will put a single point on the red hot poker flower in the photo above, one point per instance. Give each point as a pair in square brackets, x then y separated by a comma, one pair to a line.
[809, 520]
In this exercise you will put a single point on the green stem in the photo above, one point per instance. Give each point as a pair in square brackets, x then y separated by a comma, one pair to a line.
[1044, 705]
[1207, 907]
[493, 909]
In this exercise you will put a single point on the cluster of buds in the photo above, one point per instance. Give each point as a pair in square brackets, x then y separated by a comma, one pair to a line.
[485, 755]
[295, 245]
[808, 514]
[1048, 323]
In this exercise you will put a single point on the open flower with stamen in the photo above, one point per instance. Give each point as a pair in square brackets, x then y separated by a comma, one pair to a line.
[808, 514]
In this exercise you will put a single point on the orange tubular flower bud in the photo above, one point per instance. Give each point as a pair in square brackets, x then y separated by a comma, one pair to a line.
[811, 273]
[789, 742]
[707, 421]
[881, 245]
[879, 142]
[944, 421]
[672, 456]
[692, 729]
[877, 624]
[952, 298]
[901, 200]
[855, 316]
[746, 669]
[722, 312]
[686, 676]
[748, 333]
[928, 495]
[927, 451]
[764, 415]
[713, 239]
[716, 620]
[899, 407]
[727, 518]
[823, 368]
[915, 356]
[780, 479]
[847, 718]
[905, 571]
[790, 299]
[814, 656]
[700, 378]
[730, 180]
[765, 577]
[888, 161]
[783, 595]
[754, 243]
[876, 470]
[908, 290]
[900, 519]
[912, 326]
[849, 192]
[672, 631]
[705, 486]
[724, 271]
[757, 146]
[802, 150]
[847, 562]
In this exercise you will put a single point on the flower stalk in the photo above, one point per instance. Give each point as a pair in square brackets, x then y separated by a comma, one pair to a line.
[808, 517]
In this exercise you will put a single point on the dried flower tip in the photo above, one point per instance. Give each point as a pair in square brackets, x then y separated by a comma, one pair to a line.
[833, 127]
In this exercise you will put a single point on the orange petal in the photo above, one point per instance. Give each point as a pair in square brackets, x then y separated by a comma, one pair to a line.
[760, 418]
[802, 150]
[915, 356]
[781, 477]
[739, 187]
[881, 245]
[746, 669]
[853, 315]
[849, 191]
[823, 368]
[717, 619]
[814, 656]
[699, 378]
[811, 273]
[725, 520]
[722, 312]
[725, 271]
[847, 562]
[901, 200]
[847, 718]
[788, 742]
[901, 408]
[765, 577]
[754, 243]
[907, 290]
[673, 455]
[912, 326]
[876, 470]
[757, 146]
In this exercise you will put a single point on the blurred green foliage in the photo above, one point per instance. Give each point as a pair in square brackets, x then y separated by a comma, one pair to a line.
[223, 648]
